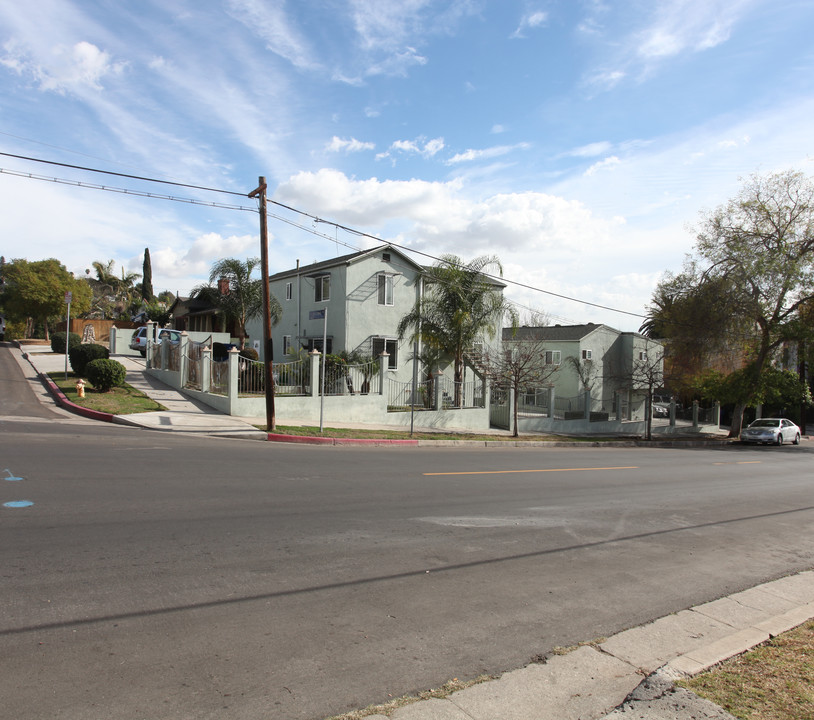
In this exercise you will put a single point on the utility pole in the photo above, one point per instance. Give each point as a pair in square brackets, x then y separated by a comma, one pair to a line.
[260, 194]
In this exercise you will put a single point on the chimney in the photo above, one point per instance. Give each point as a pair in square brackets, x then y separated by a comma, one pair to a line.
[223, 286]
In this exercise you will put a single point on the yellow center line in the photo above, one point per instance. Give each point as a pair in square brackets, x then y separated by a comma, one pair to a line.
[741, 462]
[506, 472]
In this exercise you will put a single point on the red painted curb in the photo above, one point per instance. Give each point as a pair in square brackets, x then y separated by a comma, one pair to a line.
[73, 407]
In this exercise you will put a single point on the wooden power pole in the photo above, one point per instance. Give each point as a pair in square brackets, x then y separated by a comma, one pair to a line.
[260, 194]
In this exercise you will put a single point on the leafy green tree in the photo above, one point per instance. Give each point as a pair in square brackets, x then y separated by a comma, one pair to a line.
[238, 296]
[35, 292]
[755, 254]
[460, 305]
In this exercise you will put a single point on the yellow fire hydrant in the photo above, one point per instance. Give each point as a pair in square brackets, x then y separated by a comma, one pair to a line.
[80, 388]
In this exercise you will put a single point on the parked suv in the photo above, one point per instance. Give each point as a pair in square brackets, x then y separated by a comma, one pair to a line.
[139, 339]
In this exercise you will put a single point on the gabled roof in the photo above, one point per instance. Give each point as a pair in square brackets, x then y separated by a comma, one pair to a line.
[554, 333]
[326, 265]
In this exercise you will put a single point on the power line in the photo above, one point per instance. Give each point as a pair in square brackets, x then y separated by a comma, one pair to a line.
[314, 218]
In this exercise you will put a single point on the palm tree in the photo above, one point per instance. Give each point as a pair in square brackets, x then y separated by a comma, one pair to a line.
[459, 307]
[237, 295]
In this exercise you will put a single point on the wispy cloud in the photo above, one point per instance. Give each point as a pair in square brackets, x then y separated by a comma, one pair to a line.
[420, 146]
[608, 162]
[530, 21]
[485, 153]
[338, 144]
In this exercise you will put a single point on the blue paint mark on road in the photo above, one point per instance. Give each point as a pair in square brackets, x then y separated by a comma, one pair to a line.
[11, 478]
[18, 504]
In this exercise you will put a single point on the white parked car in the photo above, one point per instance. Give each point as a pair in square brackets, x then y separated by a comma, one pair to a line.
[771, 430]
[139, 339]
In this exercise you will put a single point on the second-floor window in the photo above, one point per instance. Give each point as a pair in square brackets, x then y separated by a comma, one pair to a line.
[385, 289]
[553, 357]
[322, 288]
[289, 291]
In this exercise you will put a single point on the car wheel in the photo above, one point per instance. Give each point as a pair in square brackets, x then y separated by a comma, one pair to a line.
[797, 439]
[779, 440]
[143, 353]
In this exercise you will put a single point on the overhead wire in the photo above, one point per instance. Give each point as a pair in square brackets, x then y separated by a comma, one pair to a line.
[269, 201]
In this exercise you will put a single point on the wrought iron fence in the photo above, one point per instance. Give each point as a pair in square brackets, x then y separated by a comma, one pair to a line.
[459, 395]
[566, 408]
[534, 401]
[292, 378]
[195, 363]
[219, 377]
[341, 379]
[402, 397]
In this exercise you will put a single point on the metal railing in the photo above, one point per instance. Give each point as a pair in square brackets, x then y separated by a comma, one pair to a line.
[219, 377]
[401, 396]
[292, 378]
[352, 379]
[534, 402]
[195, 363]
[460, 395]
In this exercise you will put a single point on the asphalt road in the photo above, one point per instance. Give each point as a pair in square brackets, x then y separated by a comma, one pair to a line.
[160, 576]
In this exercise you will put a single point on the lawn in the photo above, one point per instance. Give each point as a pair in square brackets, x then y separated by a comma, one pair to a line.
[124, 400]
[775, 681]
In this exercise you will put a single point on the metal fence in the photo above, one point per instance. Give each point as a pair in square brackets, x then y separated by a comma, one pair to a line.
[352, 379]
[402, 397]
[219, 377]
[195, 362]
[292, 378]
[460, 395]
[534, 402]
[566, 408]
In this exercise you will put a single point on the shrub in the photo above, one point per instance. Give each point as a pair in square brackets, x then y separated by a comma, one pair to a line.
[250, 354]
[58, 342]
[81, 355]
[105, 374]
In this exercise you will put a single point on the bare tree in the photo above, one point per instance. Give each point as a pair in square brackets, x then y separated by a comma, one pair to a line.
[520, 366]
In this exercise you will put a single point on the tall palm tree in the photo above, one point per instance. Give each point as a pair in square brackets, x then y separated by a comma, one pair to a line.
[238, 296]
[459, 307]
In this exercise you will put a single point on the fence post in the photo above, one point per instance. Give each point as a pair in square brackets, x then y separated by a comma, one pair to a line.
[510, 408]
[552, 396]
[383, 364]
[183, 348]
[695, 414]
[206, 369]
[313, 357]
[717, 413]
[587, 401]
[438, 399]
[148, 343]
[234, 372]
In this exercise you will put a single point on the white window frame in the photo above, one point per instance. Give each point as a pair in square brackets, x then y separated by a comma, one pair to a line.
[587, 355]
[391, 346]
[289, 291]
[552, 357]
[386, 282]
[643, 355]
[322, 288]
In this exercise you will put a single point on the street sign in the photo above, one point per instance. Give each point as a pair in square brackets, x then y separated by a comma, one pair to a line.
[317, 314]
[68, 296]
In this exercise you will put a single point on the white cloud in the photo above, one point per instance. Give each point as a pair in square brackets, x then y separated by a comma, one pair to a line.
[353, 145]
[420, 146]
[530, 21]
[64, 69]
[498, 129]
[485, 153]
[608, 162]
[592, 149]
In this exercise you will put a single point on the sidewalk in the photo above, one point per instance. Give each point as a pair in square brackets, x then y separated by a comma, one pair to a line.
[182, 414]
[629, 676]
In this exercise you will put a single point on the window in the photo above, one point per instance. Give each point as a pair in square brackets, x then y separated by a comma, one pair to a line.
[642, 355]
[385, 289]
[381, 345]
[553, 357]
[322, 288]
[316, 344]
[587, 354]
[289, 291]
[286, 344]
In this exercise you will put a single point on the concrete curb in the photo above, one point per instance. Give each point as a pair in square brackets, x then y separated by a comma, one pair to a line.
[315, 440]
[63, 401]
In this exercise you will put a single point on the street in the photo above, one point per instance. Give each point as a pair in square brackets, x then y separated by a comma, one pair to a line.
[166, 576]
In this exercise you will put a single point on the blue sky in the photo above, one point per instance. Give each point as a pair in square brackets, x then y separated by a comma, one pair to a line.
[577, 140]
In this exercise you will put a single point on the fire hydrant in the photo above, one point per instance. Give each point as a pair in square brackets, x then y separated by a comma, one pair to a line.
[80, 388]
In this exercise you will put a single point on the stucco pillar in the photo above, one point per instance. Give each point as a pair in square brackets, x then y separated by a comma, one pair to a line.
[672, 412]
[313, 357]
[148, 343]
[587, 396]
[717, 413]
[183, 358]
[552, 396]
[206, 369]
[234, 372]
[438, 398]
[695, 414]
[383, 365]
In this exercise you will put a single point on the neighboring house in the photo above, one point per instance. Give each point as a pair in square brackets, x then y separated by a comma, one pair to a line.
[363, 295]
[598, 358]
[197, 315]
